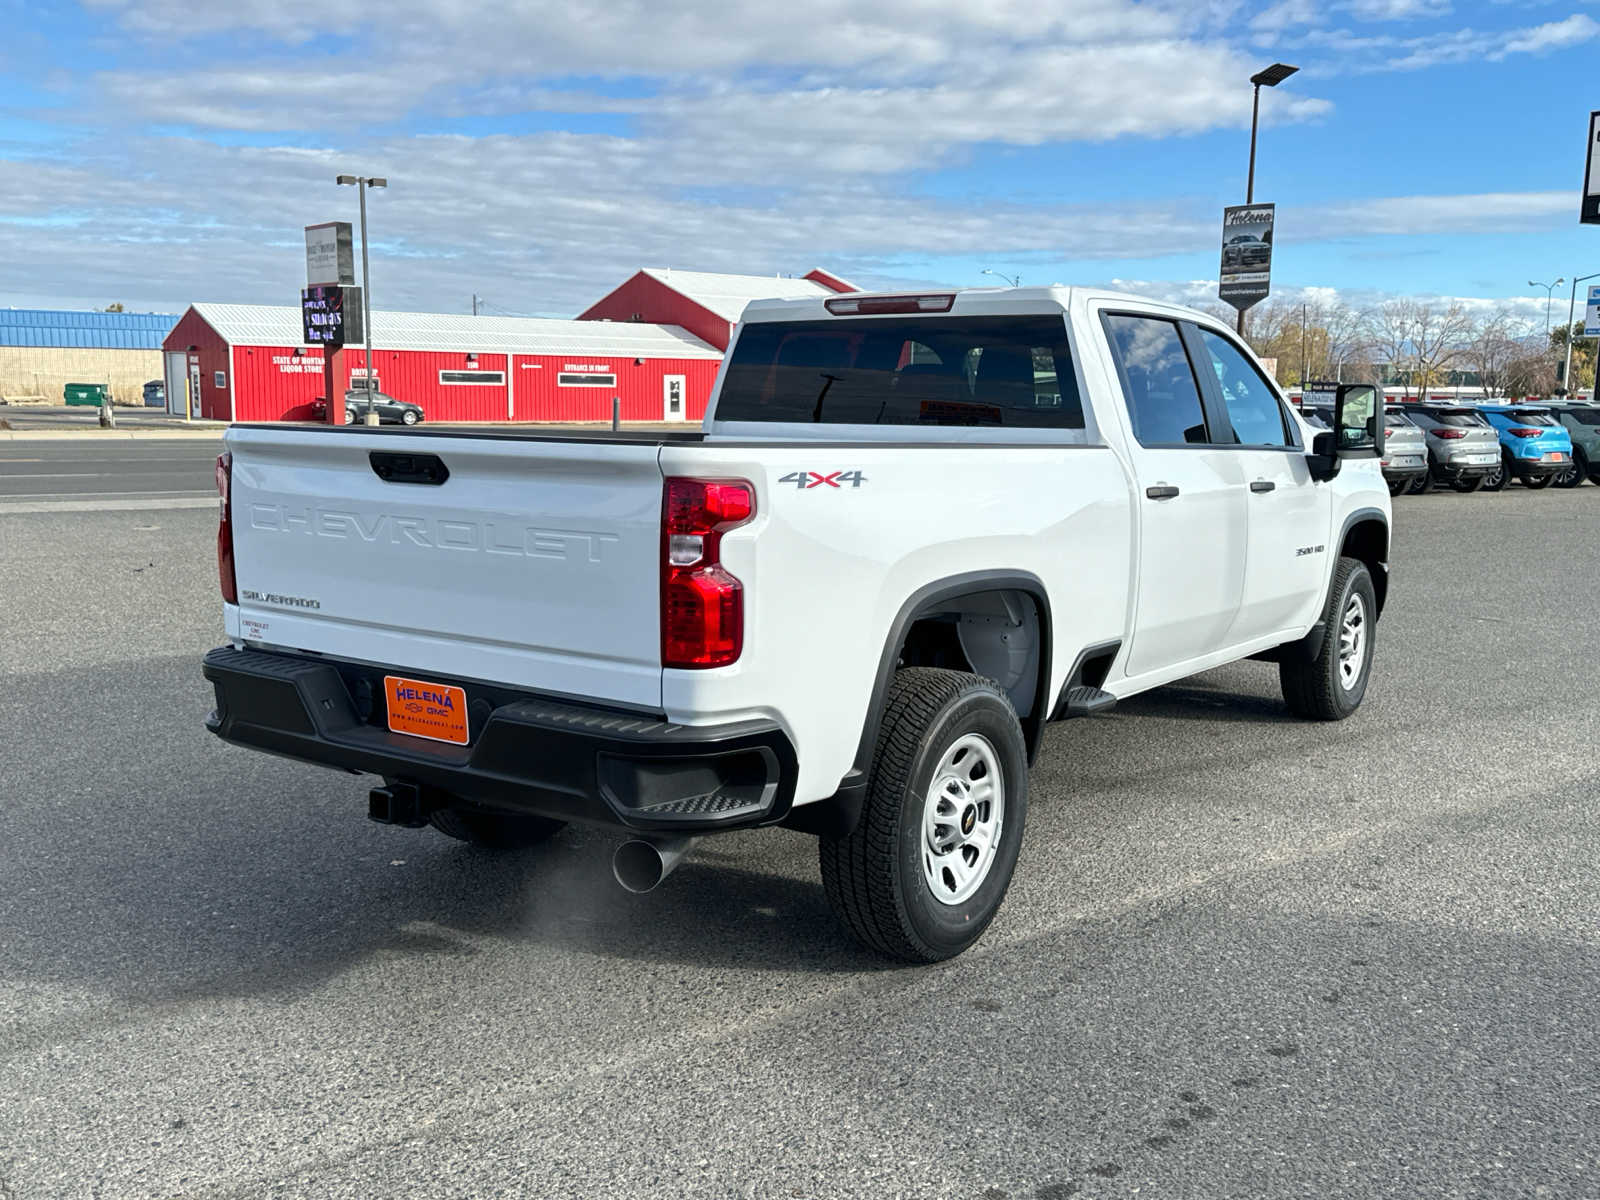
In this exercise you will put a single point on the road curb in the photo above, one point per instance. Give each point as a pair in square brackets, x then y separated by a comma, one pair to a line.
[108, 435]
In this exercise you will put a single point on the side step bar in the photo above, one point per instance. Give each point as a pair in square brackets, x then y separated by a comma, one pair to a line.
[1084, 701]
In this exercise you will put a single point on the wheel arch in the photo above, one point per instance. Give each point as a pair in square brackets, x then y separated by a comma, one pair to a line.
[1365, 536]
[981, 605]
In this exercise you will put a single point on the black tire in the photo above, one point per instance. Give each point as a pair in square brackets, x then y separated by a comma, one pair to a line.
[1467, 485]
[874, 877]
[1537, 482]
[1497, 479]
[492, 830]
[1313, 688]
[1574, 475]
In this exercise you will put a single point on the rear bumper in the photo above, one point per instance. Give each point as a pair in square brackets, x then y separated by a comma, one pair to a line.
[527, 754]
[1537, 467]
[1463, 470]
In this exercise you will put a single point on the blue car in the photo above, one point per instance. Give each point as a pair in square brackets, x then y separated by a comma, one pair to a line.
[1534, 446]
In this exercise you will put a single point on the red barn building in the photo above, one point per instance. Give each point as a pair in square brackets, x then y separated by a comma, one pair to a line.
[247, 362]
[705, 304]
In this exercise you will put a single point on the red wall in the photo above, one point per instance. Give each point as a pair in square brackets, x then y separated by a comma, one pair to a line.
[658, 304]
[271, 384]
[192, 335]
[640, 387]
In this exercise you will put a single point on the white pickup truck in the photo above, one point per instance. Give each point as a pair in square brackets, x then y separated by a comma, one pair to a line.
[913, 530]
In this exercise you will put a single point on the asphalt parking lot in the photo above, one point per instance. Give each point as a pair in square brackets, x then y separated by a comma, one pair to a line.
[1243, 956]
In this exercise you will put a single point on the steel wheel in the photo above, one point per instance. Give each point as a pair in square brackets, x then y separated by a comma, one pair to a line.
[962, 818]
[1352, 641]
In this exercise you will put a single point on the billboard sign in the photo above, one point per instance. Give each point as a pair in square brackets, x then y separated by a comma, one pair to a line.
[1246, 273]
[1589, 211]
[330, 254]
[330, 316]
[1591, 314]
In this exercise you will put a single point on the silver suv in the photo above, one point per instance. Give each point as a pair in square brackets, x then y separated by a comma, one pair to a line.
[1463, 448]
[1404, 453]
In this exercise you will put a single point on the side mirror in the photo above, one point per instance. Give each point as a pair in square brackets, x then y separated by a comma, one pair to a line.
[1355, 420]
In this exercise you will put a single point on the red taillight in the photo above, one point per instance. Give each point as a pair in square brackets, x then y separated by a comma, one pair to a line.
[1521, 431]
[1388, 433]
[1450, 434]
[702, 606]
[225, 575]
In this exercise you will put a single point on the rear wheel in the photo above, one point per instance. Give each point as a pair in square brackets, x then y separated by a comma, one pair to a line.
[1332, 685]
[492, 830]
[929, 862]
[1462, 484]
[1574, 475]
[1495, 481]
[349, 416]
[1537, 481]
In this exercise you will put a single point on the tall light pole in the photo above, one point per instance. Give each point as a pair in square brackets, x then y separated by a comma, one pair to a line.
[1566, 374]
[1013, 280]
[361, 184]
[1271, 77]
[1549, 290]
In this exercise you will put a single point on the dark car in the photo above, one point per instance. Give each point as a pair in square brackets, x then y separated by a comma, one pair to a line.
[390, 410]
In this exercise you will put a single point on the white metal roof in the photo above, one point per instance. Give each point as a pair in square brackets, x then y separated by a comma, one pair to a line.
[726, 295]
[279, 325]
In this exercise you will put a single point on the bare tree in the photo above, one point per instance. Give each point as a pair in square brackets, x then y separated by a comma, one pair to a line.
[1492, 349]
[1419, 340]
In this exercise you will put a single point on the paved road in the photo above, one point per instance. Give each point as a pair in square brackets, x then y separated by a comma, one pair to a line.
[1243, 957]
[40, 472]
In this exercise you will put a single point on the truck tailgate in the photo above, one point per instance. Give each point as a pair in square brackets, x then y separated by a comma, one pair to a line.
[533, 564]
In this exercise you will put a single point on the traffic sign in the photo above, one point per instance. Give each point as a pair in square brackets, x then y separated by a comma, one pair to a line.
[1591, 314]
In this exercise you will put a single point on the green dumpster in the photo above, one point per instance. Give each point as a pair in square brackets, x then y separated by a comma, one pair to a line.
[87, 393]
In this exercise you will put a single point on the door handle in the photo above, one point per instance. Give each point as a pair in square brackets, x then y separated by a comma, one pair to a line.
[1262, 485]
[1164, 492]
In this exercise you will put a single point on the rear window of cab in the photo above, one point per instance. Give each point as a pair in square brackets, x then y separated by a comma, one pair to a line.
[1013, 371]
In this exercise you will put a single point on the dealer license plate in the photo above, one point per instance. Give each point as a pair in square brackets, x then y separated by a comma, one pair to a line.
[1407, 460]
[1479, 459]
[1555, 456]
[435, 711]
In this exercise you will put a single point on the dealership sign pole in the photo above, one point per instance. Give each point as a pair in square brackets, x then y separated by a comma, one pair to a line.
[1246, 274]
[325, 302]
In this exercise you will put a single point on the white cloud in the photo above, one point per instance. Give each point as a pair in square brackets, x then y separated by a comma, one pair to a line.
[1465, 45]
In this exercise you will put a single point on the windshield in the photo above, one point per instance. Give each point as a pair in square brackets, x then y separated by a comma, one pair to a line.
[1011, 371]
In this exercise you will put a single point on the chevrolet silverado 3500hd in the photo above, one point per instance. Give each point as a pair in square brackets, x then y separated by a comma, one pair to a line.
[914, 529]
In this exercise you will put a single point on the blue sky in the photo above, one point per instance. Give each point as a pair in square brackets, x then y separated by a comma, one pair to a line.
[158, 152]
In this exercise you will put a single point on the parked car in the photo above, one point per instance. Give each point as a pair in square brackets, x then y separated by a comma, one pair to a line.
[1246, 250]
[1404, 453]
[792, 617]
[1535, 447]
[155, 394]
[1463, 448]
[390, 411]
[1582, 422]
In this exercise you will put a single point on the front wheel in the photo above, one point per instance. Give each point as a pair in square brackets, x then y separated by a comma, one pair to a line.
[349, 416]
[408, 417]
[929, 862]
[1331, 686]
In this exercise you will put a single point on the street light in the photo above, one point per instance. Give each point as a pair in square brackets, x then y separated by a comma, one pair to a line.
[361, 184]
[1549, 290]
[1566, 374]
[1013, 280]
[1270, 77]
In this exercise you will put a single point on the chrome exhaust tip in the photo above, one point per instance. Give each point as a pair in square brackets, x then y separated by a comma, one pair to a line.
[640, 864]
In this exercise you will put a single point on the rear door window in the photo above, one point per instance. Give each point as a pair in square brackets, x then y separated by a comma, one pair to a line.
[972, 371]
[1158, 381]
